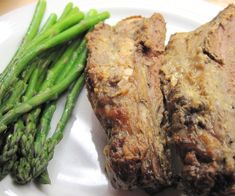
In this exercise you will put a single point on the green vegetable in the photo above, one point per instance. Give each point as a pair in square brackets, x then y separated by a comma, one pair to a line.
[30, 34]
[45, 153]
[66, 11]
[48, 62]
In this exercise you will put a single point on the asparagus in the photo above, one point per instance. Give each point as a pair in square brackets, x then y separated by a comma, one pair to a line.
[46, 117]
[45, 121]
[59, 66]
[46, 153]
[43, 131]
[43, 178]
[30, 51]
[32, 158]
[49, 23]
[66, 11]
[26, 176]
[28, 72]
[22, 172]
[17, 92]
[56, 29]
[69, 105]
[30, 34]
[49, 43]
[82, 46]
[17, 137]
[36, 21]
[41, 137]
[26, 142]
[28, 138]
[8, 156]
[20, 87]
[19, 178]
[36, 100]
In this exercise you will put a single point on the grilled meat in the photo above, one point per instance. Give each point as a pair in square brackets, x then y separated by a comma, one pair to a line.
[124, 91]
[198, 82]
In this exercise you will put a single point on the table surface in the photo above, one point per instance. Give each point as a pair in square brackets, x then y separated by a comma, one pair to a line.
[8, 5]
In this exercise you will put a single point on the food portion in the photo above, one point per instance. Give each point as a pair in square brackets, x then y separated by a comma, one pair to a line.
[49, 61]
[168, 114]
[124, 90]
[185, 129]
[198, 82]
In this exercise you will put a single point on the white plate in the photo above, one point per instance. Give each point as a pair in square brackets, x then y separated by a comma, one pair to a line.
[77, 168]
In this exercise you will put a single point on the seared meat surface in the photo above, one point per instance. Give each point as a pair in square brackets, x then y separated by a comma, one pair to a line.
[124, 91]
[198, 82]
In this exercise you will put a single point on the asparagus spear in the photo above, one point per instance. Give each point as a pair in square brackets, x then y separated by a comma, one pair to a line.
[26, 160]
[27, 139]
[17, 92]
[30, 34]
[66, 11]
[46, 117]
[59, 66]
[13, 139]
[56, 29]
[46, 153]
[60, 38]
[81, 49]
[8, 156]
[20, 87]
[49, 23]
[45, 123]
[17, 65]
[19, 136]
[23, 175]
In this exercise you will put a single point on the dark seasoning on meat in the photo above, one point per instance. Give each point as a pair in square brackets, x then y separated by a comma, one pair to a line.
[183, 116]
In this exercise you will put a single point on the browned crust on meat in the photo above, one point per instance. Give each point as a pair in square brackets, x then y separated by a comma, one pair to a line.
[124, 91]
[198, 81]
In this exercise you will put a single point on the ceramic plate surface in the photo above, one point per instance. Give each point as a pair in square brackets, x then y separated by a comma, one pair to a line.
[77, 168]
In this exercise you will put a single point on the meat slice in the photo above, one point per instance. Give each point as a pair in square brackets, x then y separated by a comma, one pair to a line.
[124, 91]
[198, 82]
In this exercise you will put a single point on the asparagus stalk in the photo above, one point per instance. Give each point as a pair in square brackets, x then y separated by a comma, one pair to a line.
[40, 141]
[10, 148]
[21, 85]
[36, 21]
[66, 11]
[57, 29]
[46, 153]
[49, 43]
[49, 23]
[27, 139]
[69, 105]
[13, 140]
[57, 69]
[18, 138]
[81, 48]
[41, 137]
[8, 156]
[47, 116]
[36, 100]
[30, 34]
[17, 92]
[23, 172]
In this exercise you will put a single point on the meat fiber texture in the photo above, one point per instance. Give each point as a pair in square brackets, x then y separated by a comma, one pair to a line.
[124, 90]
[198, 82]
